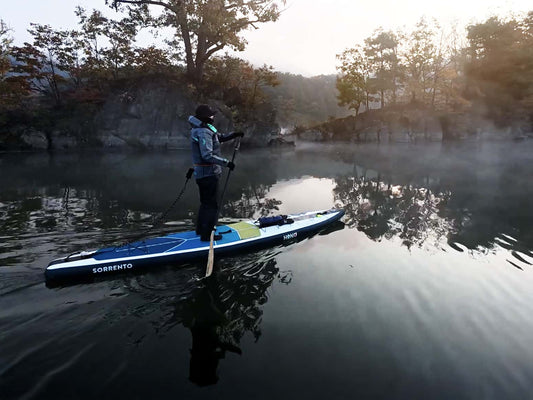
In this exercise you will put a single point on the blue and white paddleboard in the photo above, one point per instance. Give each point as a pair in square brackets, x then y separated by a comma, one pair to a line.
[184, 246]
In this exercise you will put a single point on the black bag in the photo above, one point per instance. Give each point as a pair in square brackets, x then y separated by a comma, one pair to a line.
[263, 222]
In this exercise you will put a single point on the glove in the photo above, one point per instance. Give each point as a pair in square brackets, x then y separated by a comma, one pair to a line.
[230, 165]
[237, 134]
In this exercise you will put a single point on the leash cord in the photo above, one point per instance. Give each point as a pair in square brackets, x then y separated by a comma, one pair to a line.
[155, 223]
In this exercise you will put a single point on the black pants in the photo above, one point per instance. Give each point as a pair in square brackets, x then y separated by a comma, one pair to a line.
[207, 214]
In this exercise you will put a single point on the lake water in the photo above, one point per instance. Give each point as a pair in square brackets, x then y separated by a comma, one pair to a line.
[426, 291]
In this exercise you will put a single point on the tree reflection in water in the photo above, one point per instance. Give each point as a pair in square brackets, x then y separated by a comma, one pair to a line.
[253, 202]
[431, 217]
[383, 210]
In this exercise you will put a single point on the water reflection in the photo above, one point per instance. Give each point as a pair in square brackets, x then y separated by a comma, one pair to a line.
[207, 321]
[383, 210]
[253, 203]
[218, 311]
[424, 217]
[433, 197]
[221, 312]
[460, 310]
[120, 319]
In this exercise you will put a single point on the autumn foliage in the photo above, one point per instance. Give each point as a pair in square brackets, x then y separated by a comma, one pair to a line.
[61, 71]
[488, 71]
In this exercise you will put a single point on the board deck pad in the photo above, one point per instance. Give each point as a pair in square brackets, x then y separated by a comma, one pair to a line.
[246, 230]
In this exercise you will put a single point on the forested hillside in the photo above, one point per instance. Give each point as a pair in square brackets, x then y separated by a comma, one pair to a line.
[485, 73]
[88, 84]
[306, 101]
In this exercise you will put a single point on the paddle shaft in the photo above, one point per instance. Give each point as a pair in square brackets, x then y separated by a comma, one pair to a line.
[211, 255]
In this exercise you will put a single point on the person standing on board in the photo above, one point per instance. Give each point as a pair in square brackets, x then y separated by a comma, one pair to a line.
[208, 163]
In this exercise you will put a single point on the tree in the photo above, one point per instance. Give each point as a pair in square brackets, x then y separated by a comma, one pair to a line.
[421, 62]
[222, 78]
[41, 63]
[352, 81]
[254, 79]
[500, 69]
[150, 60]
[439, 65]
[381, 50]
[206, 27]
[107, 43]
[291, 99]
[238, 81]
[92, 30]
[5, 45]
[120, 52]
[451, 77]
[10, 87]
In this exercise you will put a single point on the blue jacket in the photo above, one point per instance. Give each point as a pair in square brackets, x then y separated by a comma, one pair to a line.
[205, 147]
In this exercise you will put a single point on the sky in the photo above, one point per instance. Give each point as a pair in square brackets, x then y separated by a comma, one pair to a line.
[308, 35]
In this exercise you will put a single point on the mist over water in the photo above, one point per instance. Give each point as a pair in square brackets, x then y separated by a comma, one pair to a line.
[425, 291]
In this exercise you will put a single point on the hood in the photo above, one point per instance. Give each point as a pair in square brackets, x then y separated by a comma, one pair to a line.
[195, 122]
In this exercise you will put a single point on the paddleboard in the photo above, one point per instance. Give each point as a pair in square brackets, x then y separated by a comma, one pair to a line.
[186, 246]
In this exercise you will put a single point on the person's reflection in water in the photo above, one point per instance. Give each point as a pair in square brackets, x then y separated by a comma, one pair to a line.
[206, 320]
[220, 312]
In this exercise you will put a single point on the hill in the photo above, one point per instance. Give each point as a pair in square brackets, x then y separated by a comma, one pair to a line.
[299, 100]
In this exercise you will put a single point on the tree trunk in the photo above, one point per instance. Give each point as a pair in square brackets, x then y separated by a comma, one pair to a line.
[49, 140]
[355, 124]
[448, 126]
[183, 23]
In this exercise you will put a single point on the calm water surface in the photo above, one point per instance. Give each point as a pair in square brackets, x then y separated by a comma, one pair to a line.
[424, 291]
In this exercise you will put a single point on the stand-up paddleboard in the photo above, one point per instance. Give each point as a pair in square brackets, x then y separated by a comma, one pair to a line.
[184, 246]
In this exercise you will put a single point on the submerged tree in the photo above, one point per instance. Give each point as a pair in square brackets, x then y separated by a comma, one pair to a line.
[205, 27]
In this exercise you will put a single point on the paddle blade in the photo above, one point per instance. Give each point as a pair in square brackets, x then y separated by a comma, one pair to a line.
[211, 256]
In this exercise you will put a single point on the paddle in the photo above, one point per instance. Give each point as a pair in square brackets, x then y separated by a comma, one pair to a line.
[211, 255]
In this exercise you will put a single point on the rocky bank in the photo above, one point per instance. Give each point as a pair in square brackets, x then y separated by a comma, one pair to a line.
[408, 122]
[150, 114]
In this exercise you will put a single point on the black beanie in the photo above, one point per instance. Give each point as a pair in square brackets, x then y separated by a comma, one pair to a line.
[204, 113]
